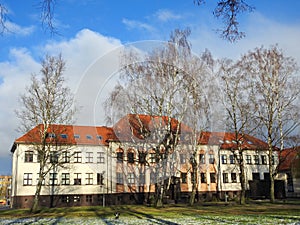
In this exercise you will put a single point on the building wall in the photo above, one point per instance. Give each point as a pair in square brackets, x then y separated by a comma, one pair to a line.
[125, 182]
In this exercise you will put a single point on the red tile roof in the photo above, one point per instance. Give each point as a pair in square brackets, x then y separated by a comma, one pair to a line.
[69, 134]
[133, 127]
[288, 158]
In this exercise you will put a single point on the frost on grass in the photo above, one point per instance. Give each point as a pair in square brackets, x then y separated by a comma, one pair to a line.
[186, 220]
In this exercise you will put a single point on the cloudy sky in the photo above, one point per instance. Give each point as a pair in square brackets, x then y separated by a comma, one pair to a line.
[92, 32]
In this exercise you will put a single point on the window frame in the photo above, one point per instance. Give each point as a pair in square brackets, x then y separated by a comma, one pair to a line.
[28, 178]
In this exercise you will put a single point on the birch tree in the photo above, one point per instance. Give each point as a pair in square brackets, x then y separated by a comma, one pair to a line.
[238, 116]
[47, 101]
[157, 84]
[275, 96]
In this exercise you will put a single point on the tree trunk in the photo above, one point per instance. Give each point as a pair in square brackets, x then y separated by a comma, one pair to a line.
[243, 180]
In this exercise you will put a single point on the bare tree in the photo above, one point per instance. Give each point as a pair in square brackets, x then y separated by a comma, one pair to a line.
[158, 85]
[238, 116]
[275, 96]
[47, 102]
[228, 11]
[46, 8]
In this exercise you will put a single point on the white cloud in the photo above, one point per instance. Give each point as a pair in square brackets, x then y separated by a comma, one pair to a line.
[166, 15]
[79, 53]
[15, 29]
[134, 24]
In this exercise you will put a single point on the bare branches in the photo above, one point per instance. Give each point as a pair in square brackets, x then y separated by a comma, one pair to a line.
[228, 11]
[3, 18]
[47, 14]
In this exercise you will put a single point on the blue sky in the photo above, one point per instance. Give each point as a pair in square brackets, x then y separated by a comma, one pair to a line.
[90, 32]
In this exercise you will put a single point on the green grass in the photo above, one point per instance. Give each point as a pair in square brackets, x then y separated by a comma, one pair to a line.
[139, 211]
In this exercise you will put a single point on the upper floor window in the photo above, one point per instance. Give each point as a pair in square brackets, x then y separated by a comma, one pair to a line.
[53, 157]
[65, 157]
[152, 158]
[119, 156]
[119, 178]
[248, 159]
[182, 158]
[203, 177]
[264, 159]
[224, 159]
[233, 178]
[65, 178]
[202, 158]
[256, 159]
[100, 157]
[130, 157]
[89, 157]
[211, 159]
[100, 179]
[184, 178]
[29, 156]
[142, 157]
[77, 157]
[225, 177]
[212, 177]
[131, 178]
[53, 179]
[89, 179]
[27, 179]
[231, 159]
[77, 178]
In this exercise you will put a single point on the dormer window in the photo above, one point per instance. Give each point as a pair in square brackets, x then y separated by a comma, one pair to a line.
[89, 137]
[64, 136]
[99, 137]
[51, 135]
[76, 136]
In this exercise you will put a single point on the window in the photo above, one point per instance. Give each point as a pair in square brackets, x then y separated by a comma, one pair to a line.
[99, 137]
[65, 157]
[202, 158]
[29, 156]
[183, 178]
[119, 157]
[142, 178]
[77, 178]
[248, 159]
[27, 179]
[131, 179]
[224, 159]
[89, 198]
[119, 178]
[64, 136]
[142, 157]
[211, 159]
[225, 177]
[37, 179]
[76, 198]
[51, 135]
[89, 179]
[212, 178]
[152, 158]
[53, 157]
[231, 159]
[77, 157]
[264, 159]
[233, 178]
[89, 157]
[65, 178]
[152, 177]
[100, 157]
[256, 159]
[100, 179]
[65, 199]
[130, 157]
[182, 158]
[53, 179]
[203, 177]
[89, 137]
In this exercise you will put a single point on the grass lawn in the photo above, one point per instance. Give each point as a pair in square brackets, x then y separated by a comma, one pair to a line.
[216, 213]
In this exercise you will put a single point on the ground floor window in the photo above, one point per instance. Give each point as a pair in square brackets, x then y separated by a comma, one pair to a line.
[89, 198]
